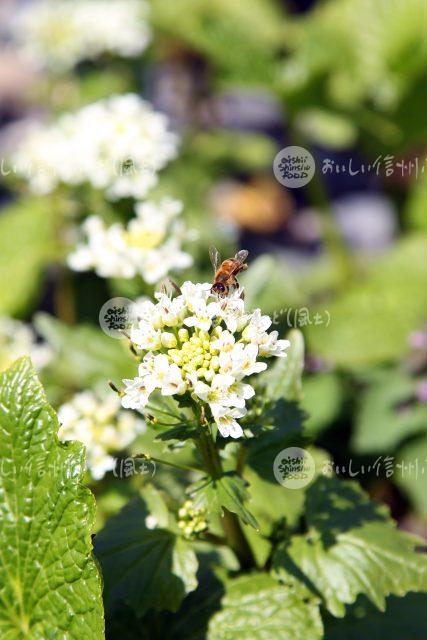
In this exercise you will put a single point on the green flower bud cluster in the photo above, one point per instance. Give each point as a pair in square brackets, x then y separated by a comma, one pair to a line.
[196, 354]
[192, 521]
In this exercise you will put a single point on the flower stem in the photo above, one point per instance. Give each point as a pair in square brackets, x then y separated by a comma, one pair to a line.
[230, 522]
[181, 467]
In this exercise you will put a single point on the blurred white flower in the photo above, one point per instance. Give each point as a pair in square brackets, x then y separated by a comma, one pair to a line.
[18, 339]
[97, 422]
[150, 245]
[59, 34]
[116, 145]
[187, 346]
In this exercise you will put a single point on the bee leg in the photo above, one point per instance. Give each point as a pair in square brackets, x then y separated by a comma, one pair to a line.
[233, 282]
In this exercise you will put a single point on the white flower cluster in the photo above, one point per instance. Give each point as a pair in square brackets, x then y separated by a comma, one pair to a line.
[204, 345]
[59, 34]
[150, 245]
[18, 339]
[116, 145]
[98, 423]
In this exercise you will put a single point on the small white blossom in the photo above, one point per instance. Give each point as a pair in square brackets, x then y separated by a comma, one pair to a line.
[268, 344]
[117, 145]
[225, 342]
[244, 360]
[18, 339]
[61, 33]
[226, 419]
[257, 326]
[137, 392]
[203, 314]
[99, 424]
[142, 248]
[188, 345]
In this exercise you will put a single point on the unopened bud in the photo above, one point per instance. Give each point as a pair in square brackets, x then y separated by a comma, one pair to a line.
[183, 335]
[168, 340]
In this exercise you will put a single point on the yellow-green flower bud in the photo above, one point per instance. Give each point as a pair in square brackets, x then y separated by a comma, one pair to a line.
[183, 335]
[168, 340]
[245, 333]
[214, 363]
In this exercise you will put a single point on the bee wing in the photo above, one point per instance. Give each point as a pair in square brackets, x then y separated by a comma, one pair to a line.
[241, 256]
[215, 258]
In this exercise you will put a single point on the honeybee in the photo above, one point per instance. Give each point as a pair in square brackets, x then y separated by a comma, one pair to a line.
[226, 271]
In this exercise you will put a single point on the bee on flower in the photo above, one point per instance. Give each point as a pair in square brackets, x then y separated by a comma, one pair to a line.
[58, 34]
[149, 246]
[97, 421]
[116, 145]
[204, 345]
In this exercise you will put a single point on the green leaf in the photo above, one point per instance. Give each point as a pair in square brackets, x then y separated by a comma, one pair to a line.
[282, 424]
[404, 618]
[388, 413]
[49, 582]
[416, 205]
[326, 129]
[256, 607]
[188, 623]
[85, 355]
[411, 474]
[371, 321]
[271, 502]
[322, 400]
[283, 378]
[352, 547]
[225, 148]
[238, 39]
[226, 492]
[146, 568]
[27, 245]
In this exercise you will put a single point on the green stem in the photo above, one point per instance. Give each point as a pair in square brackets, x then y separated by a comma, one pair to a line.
[64, 296]
[230, 522]
[181, 467]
